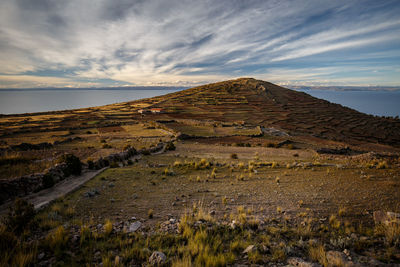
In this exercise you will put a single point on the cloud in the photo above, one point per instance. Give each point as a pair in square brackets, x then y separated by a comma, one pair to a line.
[187, 42]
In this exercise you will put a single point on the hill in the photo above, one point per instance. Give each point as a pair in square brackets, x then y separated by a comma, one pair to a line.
[262, 103]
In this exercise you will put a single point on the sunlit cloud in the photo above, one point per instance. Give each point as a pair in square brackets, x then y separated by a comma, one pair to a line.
[107, 43]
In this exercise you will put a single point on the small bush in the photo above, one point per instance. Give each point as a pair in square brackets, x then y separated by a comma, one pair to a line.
[150, 213]
[114, 164]
[382, 165]
[58, 239]
[106, 146]
[20, 217]
[74, 165]
[234, 156]
[47, 181]
[90, 164]
[108, 227]
[318, 254]
[170, 146]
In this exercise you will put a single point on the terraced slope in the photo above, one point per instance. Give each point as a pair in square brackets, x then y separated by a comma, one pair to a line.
[263, 103]
[243, 100]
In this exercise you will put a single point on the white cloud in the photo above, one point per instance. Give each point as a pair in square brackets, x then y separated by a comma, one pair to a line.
[170, 42]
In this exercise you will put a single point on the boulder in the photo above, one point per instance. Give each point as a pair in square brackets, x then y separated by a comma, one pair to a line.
[249, 249]
[157, 258]
[295, 261]
[133, 227]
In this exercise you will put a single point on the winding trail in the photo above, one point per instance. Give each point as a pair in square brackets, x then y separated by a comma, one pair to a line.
[44, 197]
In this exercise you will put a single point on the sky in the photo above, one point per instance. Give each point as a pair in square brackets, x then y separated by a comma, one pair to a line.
[106, 43]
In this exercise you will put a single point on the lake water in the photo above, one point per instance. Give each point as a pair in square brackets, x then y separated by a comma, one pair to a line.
[29, 100]
[382, 103]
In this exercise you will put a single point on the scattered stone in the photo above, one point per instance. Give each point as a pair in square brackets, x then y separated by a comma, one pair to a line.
[133, 227]
[249, 249]
[41, 256]
[97, 255]
[212, 212]
[111, 185]
[295, 261]
[112, 200]
[91, 193]
[157, 258]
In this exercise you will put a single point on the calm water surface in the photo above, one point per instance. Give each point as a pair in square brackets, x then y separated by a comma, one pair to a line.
[382, 103]
[26, 101]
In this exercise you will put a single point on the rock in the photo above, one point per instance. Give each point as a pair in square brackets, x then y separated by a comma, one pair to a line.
[157, 258]
[250, 248]
[212, 212]
[294, 261]
[97, 255]
[111, 185]
[41, 256]
[133, 227]
[337, 258]
[91, 193]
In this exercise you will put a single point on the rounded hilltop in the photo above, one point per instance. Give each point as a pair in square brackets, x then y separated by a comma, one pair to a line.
[265, 104]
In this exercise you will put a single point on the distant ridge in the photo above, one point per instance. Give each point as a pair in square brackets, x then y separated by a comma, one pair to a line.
[262, 103]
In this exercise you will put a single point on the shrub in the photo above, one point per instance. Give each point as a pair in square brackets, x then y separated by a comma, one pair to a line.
[150, 213]
[170, 146]
[20, 217]
[47, 181]
[146, 153]
[108, 227]
[90, 164]
[58, 239]
[234, 156]
[106, 146]
[114, 164]
[74, 165]
[318, 254]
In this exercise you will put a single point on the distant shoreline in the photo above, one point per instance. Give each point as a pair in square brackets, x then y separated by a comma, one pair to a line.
[96, 88]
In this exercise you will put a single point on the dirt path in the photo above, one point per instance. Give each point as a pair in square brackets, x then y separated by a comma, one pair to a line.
[70, 184]
[44, 197]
